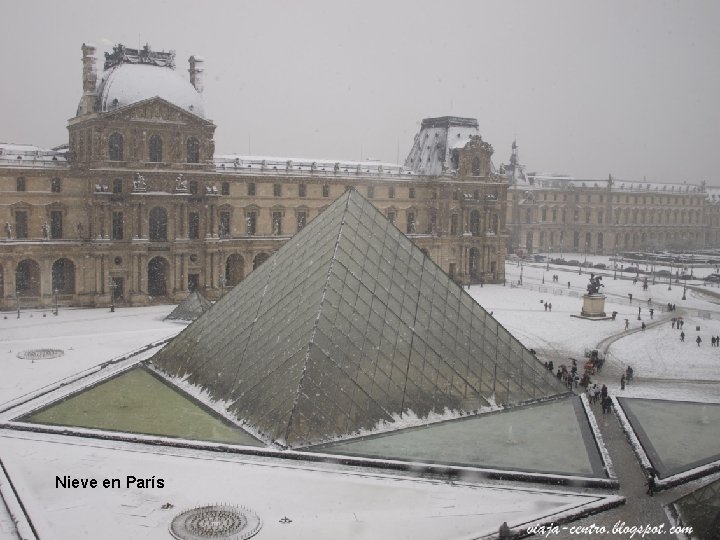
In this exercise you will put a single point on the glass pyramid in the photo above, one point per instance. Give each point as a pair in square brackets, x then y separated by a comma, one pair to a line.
[701, 510]
[348, 325]
[190, 308]
[137, 401]
[676, 435]
[528, 438]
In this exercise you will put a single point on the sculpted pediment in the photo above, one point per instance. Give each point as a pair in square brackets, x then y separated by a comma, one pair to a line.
[156, 110]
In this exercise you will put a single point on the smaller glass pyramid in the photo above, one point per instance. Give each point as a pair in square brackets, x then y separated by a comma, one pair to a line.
[190, 308]
[138, 401]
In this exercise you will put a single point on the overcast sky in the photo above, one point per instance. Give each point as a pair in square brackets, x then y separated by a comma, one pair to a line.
[625, 87]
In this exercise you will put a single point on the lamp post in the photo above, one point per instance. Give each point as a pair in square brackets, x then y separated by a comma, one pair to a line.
[17, 303]
[521, 271]
[113, 286]
[223, 280]
[55, 295]
[615, 264]
[547, 262]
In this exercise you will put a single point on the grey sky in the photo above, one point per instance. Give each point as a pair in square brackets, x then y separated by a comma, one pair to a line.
[588, 88]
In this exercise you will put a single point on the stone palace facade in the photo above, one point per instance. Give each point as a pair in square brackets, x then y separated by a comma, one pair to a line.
[138, 208]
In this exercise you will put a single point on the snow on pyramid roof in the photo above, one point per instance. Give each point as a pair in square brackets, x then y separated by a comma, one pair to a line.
[190, 308]
[347, 326]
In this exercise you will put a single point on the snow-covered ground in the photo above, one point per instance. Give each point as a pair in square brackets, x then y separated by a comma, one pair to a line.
[664, 367]
[87, 337]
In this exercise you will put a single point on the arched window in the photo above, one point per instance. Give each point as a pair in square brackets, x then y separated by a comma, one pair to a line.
[193, 150]
[27, 278]
[158, 224]
[155, 150]
[63, 276]
[158, 271]
[115, 147]
[234, 270]
[476, 166]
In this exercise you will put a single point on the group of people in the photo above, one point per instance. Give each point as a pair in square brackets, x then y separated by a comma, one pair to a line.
[596, 393]
[548, 306]
[556, 278]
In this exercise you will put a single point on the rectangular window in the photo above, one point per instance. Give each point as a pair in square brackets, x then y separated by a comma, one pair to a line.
[118, 226]
[224, 227]
[20, 184]
[326, 191]
[251, 189]
[225, 188]
[391, 217]
[21, 224]
[251, 223]
[301, 220]
[454, 224]
[302, 191]
[117, 185]
[56, 228]
[411, 223]
[587, 215]
[554, 214]
[576, 215]
[194, 225]
[411, 192]
[277, 223]
[391, 192]
[277, 190]
[55, 185]
[600, 217]
[371, 191]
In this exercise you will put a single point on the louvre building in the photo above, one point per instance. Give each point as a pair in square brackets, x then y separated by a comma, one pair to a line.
[138, 207]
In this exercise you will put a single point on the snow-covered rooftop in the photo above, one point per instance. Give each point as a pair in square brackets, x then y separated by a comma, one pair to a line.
[238, 163]
[29, 155]
[125, 84]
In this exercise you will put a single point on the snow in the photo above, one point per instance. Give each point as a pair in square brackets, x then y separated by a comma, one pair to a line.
[324, 497]
[132, 83]
[88, 338]
[323, 501]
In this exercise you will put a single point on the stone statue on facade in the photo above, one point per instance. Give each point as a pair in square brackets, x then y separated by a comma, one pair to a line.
[181, 184]
[139, 183]
[8, 230]
[46, 230]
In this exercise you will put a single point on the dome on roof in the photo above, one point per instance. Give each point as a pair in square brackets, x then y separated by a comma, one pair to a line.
[125, 84]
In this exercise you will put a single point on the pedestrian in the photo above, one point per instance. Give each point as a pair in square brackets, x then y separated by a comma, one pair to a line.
[642, 326]
[551, 367]
[673, 322]
[682, 336]
[504, 532]
[673, 307]
[603, 392]
[652, 312]
[627, 324]
[650, 484]
[712, 341]
[698, 340]
[630, 297]
[549, 306]
[622, 382]
[614, 314]
[545, 306]
[606, 404]
[568, 284]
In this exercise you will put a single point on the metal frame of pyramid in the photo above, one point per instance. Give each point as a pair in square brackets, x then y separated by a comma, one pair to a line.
[347, 326]
[191, 308]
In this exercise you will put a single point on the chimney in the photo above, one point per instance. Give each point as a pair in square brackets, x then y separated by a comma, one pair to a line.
[196, 70]
[87, 103]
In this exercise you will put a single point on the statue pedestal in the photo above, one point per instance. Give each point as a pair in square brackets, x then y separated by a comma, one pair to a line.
[593, 307]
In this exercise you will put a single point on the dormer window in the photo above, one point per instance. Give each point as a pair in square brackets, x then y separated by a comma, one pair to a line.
[476, 166]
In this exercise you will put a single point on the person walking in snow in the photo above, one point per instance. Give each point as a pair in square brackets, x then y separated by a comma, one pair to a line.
[682, 336]
[698, 340]
[652, 312]
[549, 306]
[504, 532]
[642, 326]
[622, 382]
[627, 324]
